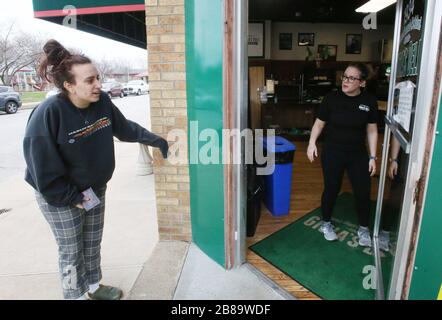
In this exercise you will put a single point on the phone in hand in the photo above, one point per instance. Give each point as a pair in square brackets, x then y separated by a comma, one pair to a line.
[92, 201]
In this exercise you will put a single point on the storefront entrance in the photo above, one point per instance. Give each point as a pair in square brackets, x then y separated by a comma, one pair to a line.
[298, 65]
[289, 249]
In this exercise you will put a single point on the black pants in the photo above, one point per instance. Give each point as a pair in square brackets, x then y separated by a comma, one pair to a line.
[334, 163]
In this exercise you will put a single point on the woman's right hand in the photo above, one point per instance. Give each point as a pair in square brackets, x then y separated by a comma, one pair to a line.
[392, 170]
[80, 205]
[312, 152]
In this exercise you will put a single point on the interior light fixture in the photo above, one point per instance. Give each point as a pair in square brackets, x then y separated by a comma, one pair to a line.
[375, 5]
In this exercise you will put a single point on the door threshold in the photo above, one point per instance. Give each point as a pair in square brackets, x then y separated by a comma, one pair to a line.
[275, 287]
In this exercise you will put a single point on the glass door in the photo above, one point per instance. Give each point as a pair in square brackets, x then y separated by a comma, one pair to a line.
[404, 83]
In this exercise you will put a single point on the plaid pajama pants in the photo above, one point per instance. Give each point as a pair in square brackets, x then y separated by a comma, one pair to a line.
[78, 234]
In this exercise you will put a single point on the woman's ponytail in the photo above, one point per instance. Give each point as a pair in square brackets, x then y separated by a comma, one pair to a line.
[56, 64]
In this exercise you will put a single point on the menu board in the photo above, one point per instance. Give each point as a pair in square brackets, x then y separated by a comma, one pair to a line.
[403, 104]
[408, 65]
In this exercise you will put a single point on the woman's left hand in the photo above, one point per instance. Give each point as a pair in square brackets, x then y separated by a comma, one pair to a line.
[164, 148]
[372, 167]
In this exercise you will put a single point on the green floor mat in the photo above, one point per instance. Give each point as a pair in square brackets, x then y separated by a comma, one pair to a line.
[339, 270]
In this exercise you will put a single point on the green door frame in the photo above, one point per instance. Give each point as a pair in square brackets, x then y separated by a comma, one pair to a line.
[426, 279]
[427, 272]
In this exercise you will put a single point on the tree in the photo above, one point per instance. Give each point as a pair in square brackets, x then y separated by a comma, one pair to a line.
[108, 67]
[105, 67]
[17, 51]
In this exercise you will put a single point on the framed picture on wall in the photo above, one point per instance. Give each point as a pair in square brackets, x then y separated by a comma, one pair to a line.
[256, 41]
[328, 52]
[285, 41]
[353, 44]
[306, 39]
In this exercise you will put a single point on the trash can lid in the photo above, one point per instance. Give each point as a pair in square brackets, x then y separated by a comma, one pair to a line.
[281, 145]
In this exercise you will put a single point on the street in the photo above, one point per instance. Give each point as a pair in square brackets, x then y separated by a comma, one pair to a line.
[12, 128]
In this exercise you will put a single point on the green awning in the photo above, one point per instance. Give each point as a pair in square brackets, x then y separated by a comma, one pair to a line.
[51, 8]
[119, 20]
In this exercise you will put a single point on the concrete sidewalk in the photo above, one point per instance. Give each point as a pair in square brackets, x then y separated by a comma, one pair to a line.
[132, 257]
[28, 250]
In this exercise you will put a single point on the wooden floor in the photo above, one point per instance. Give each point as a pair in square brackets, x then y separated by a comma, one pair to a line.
[306, 194]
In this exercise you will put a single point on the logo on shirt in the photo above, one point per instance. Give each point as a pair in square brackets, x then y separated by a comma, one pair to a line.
[363, 107]
[89, 130]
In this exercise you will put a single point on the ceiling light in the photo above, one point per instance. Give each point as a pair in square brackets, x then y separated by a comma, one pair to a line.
[375, 5]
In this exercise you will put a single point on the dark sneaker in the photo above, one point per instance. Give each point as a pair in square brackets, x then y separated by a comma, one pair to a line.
[106, 293]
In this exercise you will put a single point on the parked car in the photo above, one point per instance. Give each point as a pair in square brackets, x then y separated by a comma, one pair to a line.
[136, 87]
[113, 89]
[10, 100]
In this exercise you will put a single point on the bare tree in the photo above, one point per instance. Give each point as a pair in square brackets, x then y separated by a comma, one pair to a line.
[108, 67]
[17, 52]
[124, 67]
[105, 67]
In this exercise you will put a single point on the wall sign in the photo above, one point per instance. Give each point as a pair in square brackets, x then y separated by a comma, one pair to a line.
[408, 63]
[285, 41]
[353, 44]
[256, 40]
[403, 104]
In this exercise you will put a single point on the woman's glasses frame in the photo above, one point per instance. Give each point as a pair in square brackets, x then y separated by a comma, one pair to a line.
[349, 79]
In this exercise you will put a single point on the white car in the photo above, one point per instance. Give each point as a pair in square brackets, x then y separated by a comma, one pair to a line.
[136, 87]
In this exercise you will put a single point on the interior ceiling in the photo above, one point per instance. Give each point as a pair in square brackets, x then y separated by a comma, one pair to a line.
[314, 11]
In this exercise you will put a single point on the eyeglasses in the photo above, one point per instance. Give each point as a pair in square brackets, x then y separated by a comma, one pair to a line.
[349, 79]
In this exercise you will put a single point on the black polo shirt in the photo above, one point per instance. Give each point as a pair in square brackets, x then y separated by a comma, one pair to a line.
[347, 118]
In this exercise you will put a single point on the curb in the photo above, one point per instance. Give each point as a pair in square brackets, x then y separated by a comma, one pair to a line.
[30, 105]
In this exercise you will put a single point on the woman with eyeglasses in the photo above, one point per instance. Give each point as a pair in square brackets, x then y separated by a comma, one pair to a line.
[348, 118]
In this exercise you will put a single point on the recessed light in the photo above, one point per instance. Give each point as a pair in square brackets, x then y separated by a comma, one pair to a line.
[375, 5]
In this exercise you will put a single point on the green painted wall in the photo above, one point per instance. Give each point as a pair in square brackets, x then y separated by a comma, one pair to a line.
[204, 69]
[43, 5]
[427, 276]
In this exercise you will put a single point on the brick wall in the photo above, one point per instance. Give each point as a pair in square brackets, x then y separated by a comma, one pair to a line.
[167, 77]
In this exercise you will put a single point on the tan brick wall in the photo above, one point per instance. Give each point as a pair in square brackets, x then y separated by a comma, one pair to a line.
[167, 66]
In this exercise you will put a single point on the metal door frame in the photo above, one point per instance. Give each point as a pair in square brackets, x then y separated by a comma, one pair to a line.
[410, 222]
[235, 104]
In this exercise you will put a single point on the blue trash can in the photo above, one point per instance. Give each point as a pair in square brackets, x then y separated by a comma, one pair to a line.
[278, 185]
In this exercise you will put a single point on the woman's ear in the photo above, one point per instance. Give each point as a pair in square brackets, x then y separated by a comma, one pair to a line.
[68, 86]
[363, 84]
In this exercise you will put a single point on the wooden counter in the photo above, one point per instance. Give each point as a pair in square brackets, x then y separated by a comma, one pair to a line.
[288, 114]
[382, 105]
[294, 114]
